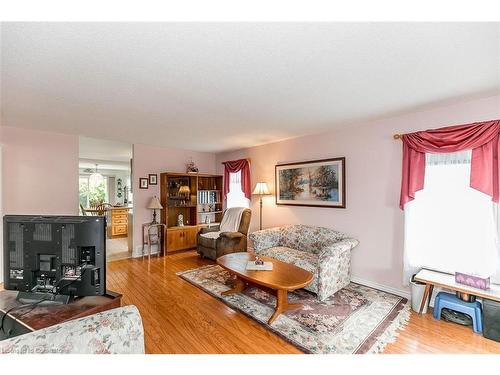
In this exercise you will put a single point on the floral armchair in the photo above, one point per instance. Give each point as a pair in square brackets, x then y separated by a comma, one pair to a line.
[324, 252]
[117, 331]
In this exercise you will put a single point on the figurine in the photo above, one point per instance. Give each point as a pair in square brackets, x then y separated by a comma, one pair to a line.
[180, 220]
[191, 167]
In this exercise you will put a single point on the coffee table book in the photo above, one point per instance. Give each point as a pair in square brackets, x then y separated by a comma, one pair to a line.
[267, 266]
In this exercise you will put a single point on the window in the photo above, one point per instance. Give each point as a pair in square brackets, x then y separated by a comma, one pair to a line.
[236, 197]
[91, 196]
[449, 226]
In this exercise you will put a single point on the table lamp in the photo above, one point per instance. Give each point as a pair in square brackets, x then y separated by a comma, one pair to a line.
[260, 190]
[154, 204]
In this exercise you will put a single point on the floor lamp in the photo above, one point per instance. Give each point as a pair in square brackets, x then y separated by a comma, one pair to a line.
[261, 189]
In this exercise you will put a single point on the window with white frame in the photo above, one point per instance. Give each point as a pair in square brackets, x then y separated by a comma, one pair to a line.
[236, 197]
[449, 226]
[89, 195]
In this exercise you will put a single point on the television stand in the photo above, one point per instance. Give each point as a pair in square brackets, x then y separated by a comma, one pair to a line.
[33, 318]
[43, 299]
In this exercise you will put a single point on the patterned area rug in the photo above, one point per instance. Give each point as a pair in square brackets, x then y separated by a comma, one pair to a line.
[357, 319]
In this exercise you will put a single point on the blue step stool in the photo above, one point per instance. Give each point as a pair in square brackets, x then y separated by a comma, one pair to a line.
[452, 302]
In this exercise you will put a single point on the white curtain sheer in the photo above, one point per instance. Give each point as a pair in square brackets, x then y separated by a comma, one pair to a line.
[236, 197]
[449, 226]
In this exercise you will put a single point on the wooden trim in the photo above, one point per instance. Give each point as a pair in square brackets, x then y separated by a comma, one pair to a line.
[180, 174]
[344, 201]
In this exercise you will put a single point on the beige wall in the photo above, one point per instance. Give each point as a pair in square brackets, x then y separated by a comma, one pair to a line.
[40, 172]
[373, 173]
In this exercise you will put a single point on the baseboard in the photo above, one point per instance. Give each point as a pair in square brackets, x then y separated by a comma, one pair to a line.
[399, 292]
[137, 252]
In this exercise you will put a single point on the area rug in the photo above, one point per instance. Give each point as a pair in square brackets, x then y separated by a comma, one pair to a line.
[356, 319]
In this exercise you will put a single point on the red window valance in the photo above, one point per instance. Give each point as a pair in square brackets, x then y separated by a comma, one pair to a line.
[234, 166]
[480, 137]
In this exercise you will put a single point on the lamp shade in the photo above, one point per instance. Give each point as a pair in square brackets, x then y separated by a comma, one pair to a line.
[155, 204]
[261, 189]
[184, 189]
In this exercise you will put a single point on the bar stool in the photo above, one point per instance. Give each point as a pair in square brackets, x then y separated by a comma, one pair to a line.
[452, 302]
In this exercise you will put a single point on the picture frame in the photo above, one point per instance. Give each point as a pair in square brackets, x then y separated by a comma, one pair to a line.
[153, 179]
[143, 183]
[314, 183]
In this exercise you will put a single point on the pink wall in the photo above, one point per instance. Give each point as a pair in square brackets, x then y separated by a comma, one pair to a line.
[39, 172]
[373, 173]
[150, 159]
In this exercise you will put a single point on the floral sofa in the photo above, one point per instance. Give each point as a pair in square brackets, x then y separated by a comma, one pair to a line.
[324, 252]
[117, 331]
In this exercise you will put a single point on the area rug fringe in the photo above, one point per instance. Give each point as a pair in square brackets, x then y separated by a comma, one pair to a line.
[392, 332]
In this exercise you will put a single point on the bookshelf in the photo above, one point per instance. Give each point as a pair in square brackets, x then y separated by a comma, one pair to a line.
[197, 197]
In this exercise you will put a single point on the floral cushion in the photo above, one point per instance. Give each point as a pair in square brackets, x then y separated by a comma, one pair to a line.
[266, 238]
[117, 331]
[308, 238]
[306, 261]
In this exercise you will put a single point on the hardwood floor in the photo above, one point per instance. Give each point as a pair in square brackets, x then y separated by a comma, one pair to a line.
[180, 318]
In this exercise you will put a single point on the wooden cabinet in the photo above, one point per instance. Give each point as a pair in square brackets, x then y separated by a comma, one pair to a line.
[197, 197]
[190, 237]
[181, 238]
[119, 222]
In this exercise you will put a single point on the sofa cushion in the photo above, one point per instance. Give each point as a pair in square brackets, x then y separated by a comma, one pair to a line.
[308, 238]
[208, 239]
[301, 259]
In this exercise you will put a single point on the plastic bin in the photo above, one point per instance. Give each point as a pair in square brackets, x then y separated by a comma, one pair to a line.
[417, 292]
[491, 319]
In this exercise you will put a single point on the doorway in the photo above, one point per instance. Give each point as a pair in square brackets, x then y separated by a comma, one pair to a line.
[105, 190]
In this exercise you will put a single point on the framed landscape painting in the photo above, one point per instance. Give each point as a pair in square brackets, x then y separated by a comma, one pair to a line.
[319, 183]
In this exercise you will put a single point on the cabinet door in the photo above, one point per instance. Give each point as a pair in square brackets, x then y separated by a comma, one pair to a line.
[190, 237]
[175, 240]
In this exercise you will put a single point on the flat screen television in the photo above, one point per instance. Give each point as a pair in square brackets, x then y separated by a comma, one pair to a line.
[54, 258]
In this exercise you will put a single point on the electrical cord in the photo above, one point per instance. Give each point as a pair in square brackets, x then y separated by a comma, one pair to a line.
[17, 308]
[70, 283]
[54, 292]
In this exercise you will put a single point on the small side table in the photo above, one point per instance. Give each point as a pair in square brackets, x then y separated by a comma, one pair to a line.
[152, 234]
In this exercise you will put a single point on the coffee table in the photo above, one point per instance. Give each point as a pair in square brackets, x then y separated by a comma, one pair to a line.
[283, 278]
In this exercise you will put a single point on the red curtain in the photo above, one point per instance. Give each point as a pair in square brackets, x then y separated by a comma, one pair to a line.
[481, 137]
[236, 166]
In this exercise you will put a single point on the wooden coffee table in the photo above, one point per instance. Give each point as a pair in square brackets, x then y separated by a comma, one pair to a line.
[283, 278]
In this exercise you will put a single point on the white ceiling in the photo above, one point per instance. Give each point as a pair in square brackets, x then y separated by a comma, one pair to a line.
[220, 86]
[105, 150]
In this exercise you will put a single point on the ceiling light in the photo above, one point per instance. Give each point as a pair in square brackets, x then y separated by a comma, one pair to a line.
[95, 179]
